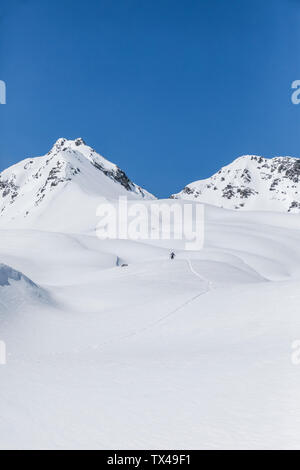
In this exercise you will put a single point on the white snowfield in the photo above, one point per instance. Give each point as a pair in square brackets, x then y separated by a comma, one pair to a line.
[190, 353]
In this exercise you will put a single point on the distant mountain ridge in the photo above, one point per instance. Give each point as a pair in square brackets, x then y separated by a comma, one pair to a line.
[250, 183]
[61, 191]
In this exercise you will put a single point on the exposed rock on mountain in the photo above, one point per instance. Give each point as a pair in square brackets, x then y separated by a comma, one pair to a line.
[252, 183]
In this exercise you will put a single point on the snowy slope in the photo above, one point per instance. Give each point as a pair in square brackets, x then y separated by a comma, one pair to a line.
[51, 191]
[251, 183]
[190, 353]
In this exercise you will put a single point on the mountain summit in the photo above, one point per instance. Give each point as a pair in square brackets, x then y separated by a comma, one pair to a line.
[64, 184]
[251, 183]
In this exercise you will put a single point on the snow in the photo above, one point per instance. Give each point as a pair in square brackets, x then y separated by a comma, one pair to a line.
[187, 353]
[17, 289]
[251, 183]
[37, 192]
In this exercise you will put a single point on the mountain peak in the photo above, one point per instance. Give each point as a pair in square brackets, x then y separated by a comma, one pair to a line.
[58, 144]
[79, 141]
[251, 182]
[62, 142]
[72, 172]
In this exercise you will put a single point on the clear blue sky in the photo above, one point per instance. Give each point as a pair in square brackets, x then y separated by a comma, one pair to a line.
[170, 90]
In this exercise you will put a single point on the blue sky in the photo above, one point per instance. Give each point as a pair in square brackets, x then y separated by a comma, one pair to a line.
[169, 90]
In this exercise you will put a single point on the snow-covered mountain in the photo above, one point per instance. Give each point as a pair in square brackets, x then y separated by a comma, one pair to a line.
[128, 348]
[251, 182]
[55, 188]
[209, 335]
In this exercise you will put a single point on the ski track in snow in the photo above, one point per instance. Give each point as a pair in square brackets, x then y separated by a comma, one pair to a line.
[201, 371]
[168, 315]
[209, 284]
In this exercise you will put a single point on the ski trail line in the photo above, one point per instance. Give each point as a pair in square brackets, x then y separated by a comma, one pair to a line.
[168, 315]
[209, 283]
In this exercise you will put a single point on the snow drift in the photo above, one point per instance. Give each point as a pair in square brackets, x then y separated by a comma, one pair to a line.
[17, 290]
